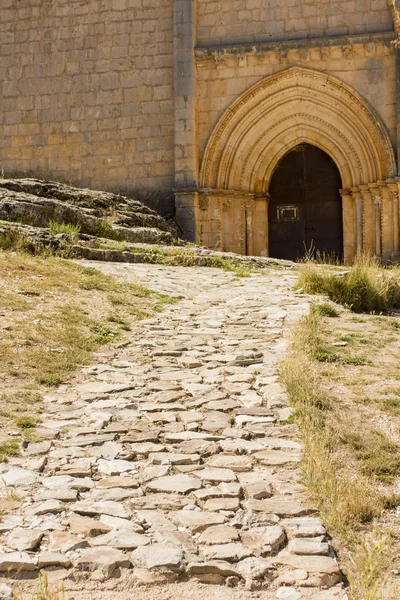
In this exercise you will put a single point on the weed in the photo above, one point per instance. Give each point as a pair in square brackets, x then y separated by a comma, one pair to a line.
[27, 422]
[364, 288]
[7, 449]
[67, 228]
[8, 492]
[44, 591]
[123, 323]
[103, 334]
[324, 310]
[105, 230]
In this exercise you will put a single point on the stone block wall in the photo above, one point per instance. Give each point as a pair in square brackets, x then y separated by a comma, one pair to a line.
[87, 93]
[227, 21]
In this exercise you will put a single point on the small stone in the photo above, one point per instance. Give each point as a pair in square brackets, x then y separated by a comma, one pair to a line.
[308, 546]
[88, 440]
[264, 540]
[229, 552]
[303, 527]
[229, 461]
[178, 539]
[280, 444]
[107, 451]
[277, 457]
[281, 506]
[114, 509]
[180, 484]
[216, 475]
[17, 477]
[240, 445]
[176, 438]
[61, 541]
[223, 490]
[146, 448]
[117, 482]
[155, 520]
[160, 502]
[5, 592]
[104, 559]
[259, 490]
[169, 458]
[253, 568]
[87, 526]
[114, 467]
[216, 504]
[115, 494]
[16, 561]
[197, 521]
[218, 567]
[53, 559]
[157, 556]
[121, 539]
[202, 447]
[219, 534]
[66, 481]
[43, 508]
[64, 495]
[323, 570]
[288, 593]
[9, 522]
[37, 449]
[24, 539]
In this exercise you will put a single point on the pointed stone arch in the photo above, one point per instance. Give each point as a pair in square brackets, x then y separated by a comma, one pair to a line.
[294, 106]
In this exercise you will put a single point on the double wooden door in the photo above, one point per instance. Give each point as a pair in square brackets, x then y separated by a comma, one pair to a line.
[305, 208]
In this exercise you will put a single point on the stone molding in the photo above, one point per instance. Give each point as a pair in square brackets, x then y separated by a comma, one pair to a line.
[217, 55]
[296, 106]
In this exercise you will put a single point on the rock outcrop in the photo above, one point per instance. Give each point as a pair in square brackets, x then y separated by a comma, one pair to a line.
[40, 204]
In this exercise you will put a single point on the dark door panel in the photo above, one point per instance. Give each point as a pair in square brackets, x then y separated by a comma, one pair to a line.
[305, 209]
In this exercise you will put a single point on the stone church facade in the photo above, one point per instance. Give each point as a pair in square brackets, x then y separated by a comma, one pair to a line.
[272, 125]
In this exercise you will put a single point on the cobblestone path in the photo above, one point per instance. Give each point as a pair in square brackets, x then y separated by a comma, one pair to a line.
[171, 458]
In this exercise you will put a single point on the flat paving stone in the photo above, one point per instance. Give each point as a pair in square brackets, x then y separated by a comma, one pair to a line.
[180, 484]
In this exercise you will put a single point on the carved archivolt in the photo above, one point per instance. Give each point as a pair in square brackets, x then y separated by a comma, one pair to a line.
[296, 106]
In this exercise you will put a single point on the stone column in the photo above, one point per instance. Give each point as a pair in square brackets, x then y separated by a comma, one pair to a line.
[186, 207]
[368, 220]
[248, 208]
[394, 195]
[185, 102]
[358, 203]
[386, 221]
[377, 200]
[260, 224]
[349, 226]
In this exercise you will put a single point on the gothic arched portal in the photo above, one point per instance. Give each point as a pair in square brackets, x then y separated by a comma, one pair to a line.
[283, 111]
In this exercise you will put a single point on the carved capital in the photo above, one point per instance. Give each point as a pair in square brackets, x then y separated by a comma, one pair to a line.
[203, 203]
[395, 9]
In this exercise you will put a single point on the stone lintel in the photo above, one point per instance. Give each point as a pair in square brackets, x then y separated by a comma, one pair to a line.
[218, 52]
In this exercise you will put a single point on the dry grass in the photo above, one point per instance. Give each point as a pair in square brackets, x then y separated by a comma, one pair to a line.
[364, 288]
[351, 463]
[53, 315]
